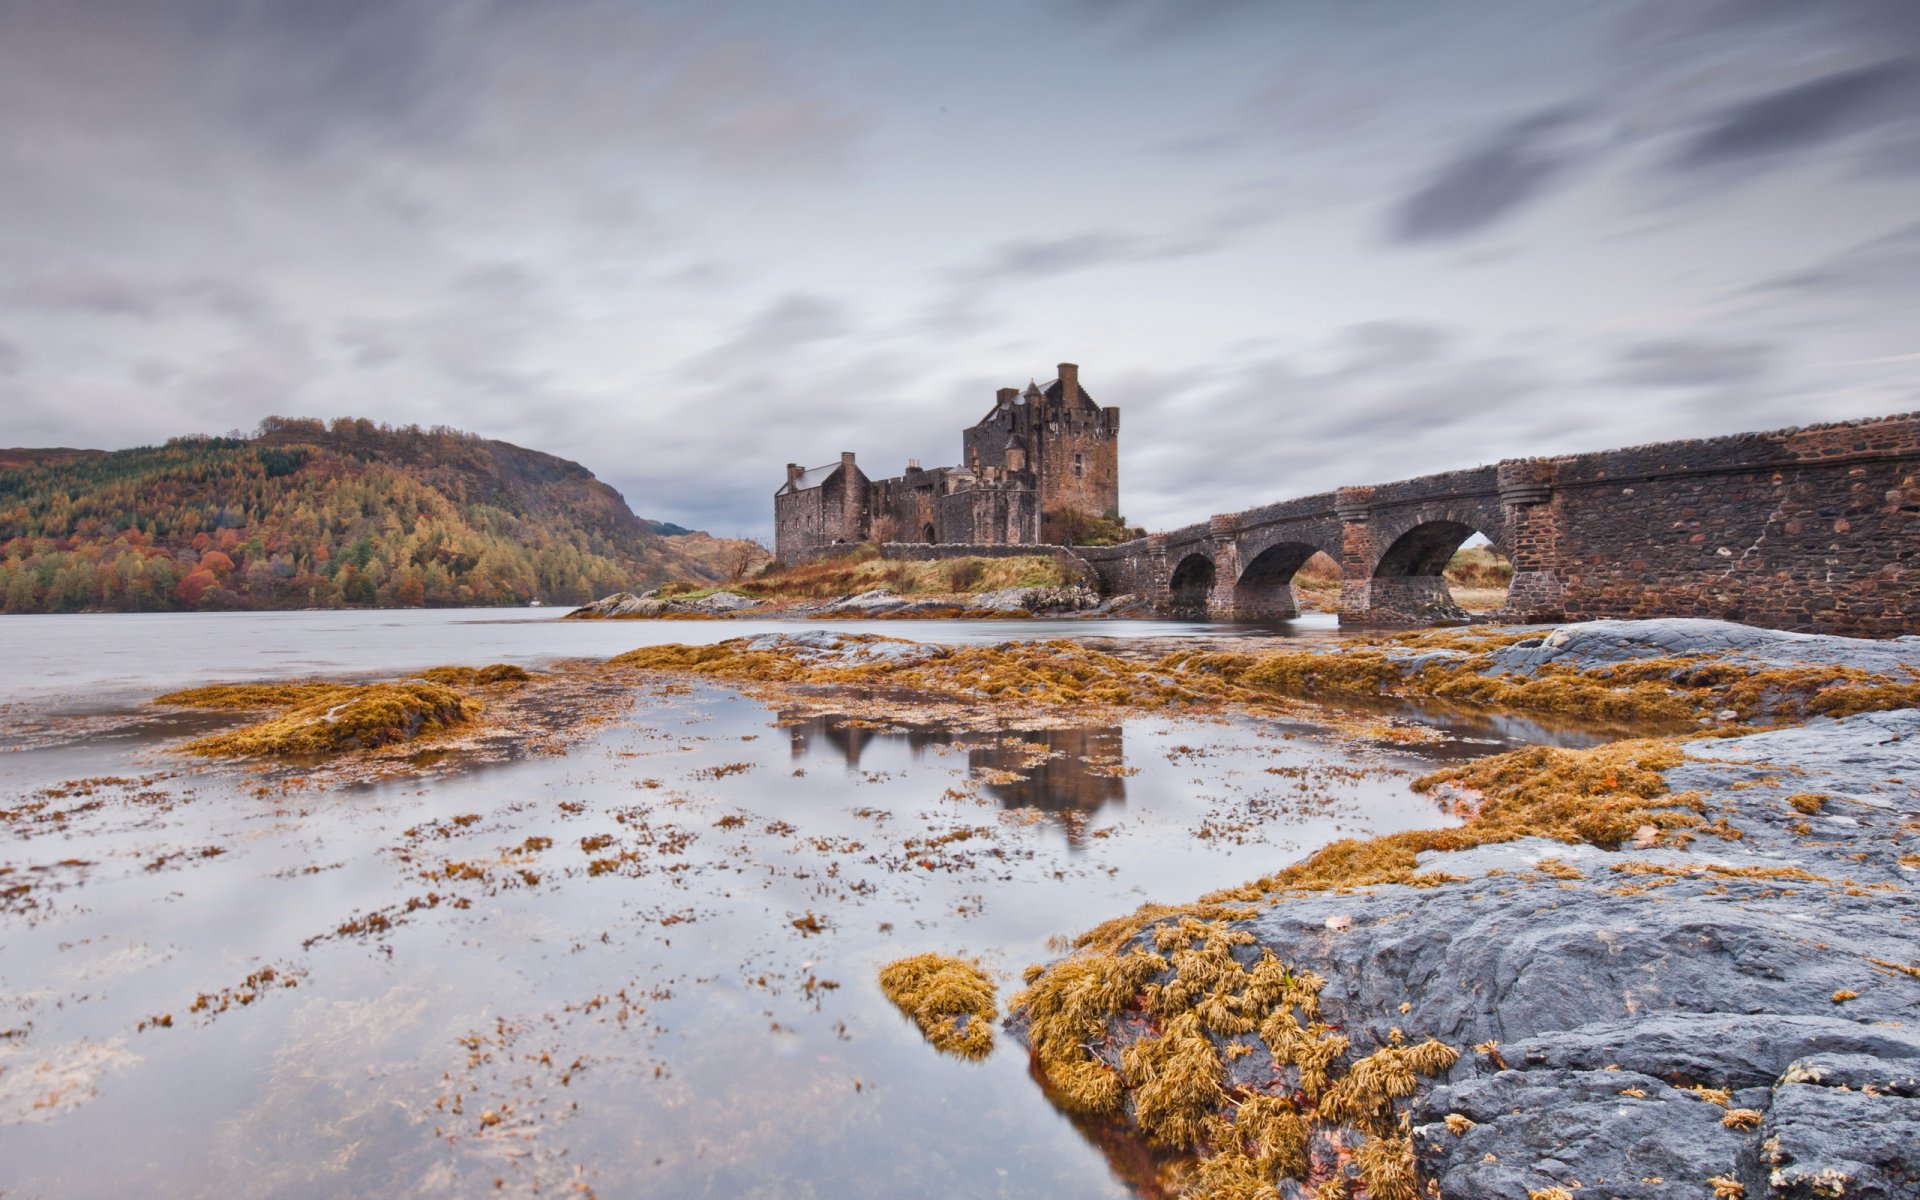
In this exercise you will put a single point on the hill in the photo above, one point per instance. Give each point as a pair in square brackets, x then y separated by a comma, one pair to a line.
[306, 514]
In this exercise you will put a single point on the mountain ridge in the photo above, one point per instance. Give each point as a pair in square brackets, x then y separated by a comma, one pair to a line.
[311, 514]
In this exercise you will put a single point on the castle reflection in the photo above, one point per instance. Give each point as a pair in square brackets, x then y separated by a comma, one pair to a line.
[1069, 773]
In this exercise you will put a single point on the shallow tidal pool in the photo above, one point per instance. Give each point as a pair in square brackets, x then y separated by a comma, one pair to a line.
[640, 963]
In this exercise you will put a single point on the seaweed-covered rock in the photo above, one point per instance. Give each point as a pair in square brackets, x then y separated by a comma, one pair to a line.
[1728, 1005]
[362, 717]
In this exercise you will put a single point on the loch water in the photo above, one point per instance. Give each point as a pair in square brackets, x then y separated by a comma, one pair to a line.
[638, 964]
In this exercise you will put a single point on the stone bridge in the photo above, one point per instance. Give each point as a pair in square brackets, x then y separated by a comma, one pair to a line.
[1814, 529]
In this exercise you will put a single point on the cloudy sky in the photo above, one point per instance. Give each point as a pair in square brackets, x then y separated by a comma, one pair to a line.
[1300, 243]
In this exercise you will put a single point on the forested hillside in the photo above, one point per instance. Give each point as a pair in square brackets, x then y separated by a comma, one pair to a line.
[306, 514]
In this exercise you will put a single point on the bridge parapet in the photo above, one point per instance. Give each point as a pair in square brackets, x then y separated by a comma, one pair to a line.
[1814, 529]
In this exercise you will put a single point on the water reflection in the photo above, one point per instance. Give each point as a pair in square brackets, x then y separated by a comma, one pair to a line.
[1070, 774]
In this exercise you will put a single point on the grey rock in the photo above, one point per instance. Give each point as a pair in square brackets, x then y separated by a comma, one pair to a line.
[1823, 1139]
[1590, 644]
[827, 646]
[1712, 965]
[621, 604]
[876, 600]
[1570, 1128]
[719, 602]
[1037, 599]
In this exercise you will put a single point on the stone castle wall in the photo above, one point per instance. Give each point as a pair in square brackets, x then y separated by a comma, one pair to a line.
[1033, 459]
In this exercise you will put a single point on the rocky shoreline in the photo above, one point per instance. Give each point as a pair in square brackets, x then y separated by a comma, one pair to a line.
[1702, 980]
[875, 603]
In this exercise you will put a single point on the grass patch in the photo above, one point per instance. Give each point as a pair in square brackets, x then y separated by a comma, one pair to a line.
[950, 999]
[862, 570]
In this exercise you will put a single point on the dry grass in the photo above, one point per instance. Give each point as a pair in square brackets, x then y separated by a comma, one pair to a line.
[863, 570]
[950, 999]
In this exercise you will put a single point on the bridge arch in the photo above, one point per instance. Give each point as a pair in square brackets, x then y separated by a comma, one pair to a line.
[1408, 580]
[1264, 590]
[1191, 584]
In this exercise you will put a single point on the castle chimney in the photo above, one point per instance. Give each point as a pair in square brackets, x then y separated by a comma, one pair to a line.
[1004, 397]
[1069, 383]
[794, 472]
[852, 501]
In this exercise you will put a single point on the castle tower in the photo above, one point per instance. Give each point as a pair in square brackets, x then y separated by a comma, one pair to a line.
[1074, 448]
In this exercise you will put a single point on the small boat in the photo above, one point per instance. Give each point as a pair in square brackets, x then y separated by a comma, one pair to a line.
[535, 603]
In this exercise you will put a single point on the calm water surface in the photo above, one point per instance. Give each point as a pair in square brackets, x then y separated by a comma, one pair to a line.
[644, 966]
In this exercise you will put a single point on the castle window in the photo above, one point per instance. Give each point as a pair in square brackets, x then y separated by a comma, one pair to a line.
[1079, 465]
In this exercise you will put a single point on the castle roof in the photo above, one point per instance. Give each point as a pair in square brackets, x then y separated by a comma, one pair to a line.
[1053, 391]
[813, 477]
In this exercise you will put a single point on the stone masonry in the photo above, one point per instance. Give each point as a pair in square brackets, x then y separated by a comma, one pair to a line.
[1814, 529]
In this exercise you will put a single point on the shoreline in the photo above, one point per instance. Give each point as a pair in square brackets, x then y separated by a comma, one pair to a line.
[1693, 950]
[1712, 923]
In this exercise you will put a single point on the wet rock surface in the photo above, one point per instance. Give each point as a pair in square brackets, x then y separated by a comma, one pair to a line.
[1071, 600]
[1601, 643]
[1737, 1015]
[827, 647]
[649, 604]
[620, 604]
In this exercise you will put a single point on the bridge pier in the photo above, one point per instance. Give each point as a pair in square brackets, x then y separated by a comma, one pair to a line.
[1223, 600]
[1536, 592]
[1158, 590]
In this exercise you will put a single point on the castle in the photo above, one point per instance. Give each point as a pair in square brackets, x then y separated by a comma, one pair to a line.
[1035, 469]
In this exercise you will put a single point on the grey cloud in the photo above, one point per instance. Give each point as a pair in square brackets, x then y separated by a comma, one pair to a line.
[1807, 114]
[1405, 404]
[1690, 363]
[368, 345]
[1484, 184]
[1880, 268]
[1041, 258]
[1394, 343]
[86, 292]
[787, 323]
[12, 360]
[1038, 258]
[102, 294]
[1149, 19]
[1872, 25]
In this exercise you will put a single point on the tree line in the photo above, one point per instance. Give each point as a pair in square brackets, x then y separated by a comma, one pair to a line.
[311, 515]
